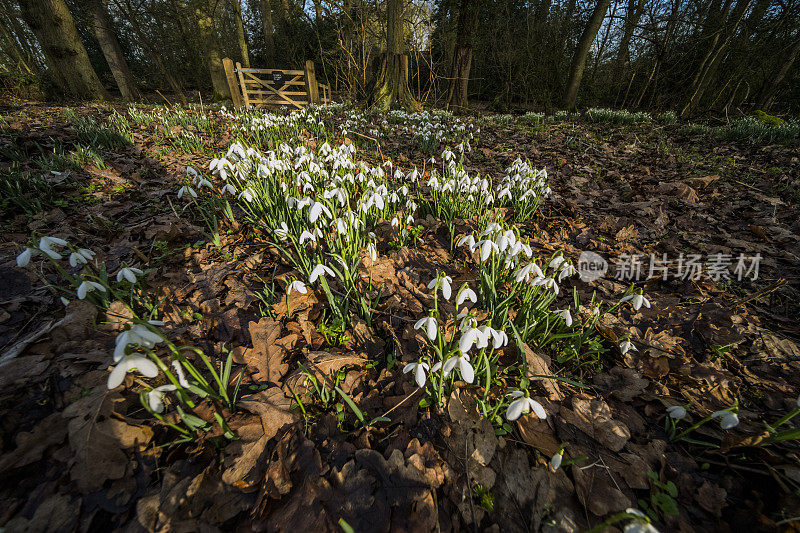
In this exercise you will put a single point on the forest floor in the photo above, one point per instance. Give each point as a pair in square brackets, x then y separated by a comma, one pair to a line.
[327, 431]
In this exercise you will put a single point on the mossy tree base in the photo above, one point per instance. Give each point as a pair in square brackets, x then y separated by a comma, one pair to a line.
[391, 85]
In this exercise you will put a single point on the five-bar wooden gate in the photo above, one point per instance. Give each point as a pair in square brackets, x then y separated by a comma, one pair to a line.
[270, 86]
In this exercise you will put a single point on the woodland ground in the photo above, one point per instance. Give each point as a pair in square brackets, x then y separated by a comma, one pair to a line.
[76, 456]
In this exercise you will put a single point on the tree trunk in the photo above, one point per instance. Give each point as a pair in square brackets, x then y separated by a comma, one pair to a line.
[318, 11]
[269, 33]
[52, 23]
[775, 81]
[632, 17]
[391, 84]
[240, 36]
[582, 51]
[662, 50]
[104, 31]
[151, 49]
[13, 50]
[468, 12]
[211, 51]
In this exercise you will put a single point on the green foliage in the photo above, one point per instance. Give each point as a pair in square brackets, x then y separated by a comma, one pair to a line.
[662, 498]
[769, 120]
[23, 192]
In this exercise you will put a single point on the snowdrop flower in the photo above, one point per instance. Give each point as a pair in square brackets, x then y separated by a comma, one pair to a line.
[566, 315]
[472, 336]
[566, 271]
[192, 173]
[80, 257]
[523, 405]
[204, 183]
[137, 334]
[307, 235]
[525, 272]
[155, 398]
[430, 325]
[728, 419]
[88, 286]
[676, 412]
[298, 286]
[64, 301]
[373, 252]
[640, 524]
[485, 247]
[555, 461]
[556, 261]
[247, 194]
[637, 300]
[442, 282]
[499, 338]
[46, 246]
[469, 240]
[626, 346]
[129, 273]
[25, 257]
[316, 210]
[467, 372]
[319, 270]
[229, 189]
[419, 370]
[127, 363]
[282, 232]
[466, 294]
[186, 190]
[181, 376]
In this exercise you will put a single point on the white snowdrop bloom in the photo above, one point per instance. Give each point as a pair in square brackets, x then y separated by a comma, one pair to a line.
[551, 284]
[498, 337]
[229, 189]
[88, 286]
[298, 286]
[186, 190]
[556, 261]
[640, 524]
[728, 419]
[430, 325]
[155, 398]
[472, 336]
[64, 301]
[637, 300]
[555, 461]
[442, 282]
[25, 257]
[462, 361]
[469, 240]
[525, 273]
[316, 210]
[627, 346]
[46, 246]
[204, 183]
[566, 315]
[319, 270]
[128, 363]
[80, 257]
[181, 376]
[373, 252]
[247, 194]
[307, 235]
[566, 271]
[523, 405]
[466, 294]
[137, 334]
[282, 232]
[485, 248]
[128, 273]
[395, 222]
[676, 412]
[419, 370]
[192, 173]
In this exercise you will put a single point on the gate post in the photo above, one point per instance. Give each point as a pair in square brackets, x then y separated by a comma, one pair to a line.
[311, 83]
[236, 96]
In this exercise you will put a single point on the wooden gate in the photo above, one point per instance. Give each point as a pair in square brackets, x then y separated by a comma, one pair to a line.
[270, 86]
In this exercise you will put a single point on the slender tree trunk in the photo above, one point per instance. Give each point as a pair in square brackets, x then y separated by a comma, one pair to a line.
[104, 31]
[151, 49]
[632, 17]
[240, 36]
[468, 12]
[582, 51]
[775, 81]
[269, 33]
[391, 86]
[318, 11]
[13, 50]
[17, 32]
[208, 39]
[52, 23]
[662, 50]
